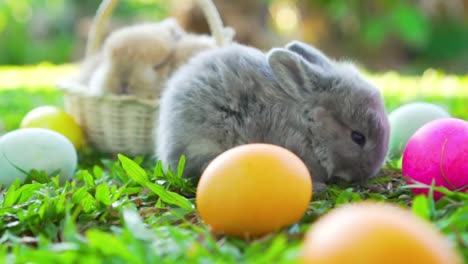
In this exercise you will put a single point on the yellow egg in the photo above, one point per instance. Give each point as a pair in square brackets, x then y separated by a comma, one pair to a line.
[56, 119]
[369, 233]
[252, 190]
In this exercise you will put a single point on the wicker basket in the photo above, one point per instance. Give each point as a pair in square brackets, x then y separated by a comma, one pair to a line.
[122, 123]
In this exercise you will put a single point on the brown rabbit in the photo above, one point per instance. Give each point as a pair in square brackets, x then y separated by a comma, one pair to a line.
[137, 60]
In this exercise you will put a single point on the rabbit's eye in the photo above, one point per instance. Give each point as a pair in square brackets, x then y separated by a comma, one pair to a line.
[358, 138]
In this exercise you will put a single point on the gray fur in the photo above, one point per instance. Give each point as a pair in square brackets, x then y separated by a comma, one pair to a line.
[293, 97]
[310, 54]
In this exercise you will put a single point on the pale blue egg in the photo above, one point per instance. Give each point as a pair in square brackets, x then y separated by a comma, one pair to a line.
[35, 148]
[406, 120]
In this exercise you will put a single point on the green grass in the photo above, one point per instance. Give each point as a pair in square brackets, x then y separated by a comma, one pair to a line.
[121, 210]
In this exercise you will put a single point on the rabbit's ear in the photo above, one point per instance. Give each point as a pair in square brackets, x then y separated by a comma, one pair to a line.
[295, 75]
[309, 53]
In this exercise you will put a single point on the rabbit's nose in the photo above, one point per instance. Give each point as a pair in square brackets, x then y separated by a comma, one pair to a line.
[124, 89]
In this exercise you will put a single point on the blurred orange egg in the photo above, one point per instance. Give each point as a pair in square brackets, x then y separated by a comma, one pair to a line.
[368, 233]
[252, 190]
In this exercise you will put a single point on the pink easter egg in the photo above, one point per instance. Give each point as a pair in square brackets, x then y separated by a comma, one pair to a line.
[438, 151]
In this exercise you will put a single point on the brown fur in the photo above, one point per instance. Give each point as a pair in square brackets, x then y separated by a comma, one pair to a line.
[136, 60]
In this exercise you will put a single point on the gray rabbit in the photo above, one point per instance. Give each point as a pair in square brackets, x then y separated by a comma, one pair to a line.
[322, 110]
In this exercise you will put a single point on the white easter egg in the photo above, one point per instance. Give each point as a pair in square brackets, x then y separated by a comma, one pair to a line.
[35, 148]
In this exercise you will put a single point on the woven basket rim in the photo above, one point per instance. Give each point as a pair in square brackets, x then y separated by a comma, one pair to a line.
[76, 88]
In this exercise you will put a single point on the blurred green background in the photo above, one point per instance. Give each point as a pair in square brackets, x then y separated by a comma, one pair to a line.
[382, 35]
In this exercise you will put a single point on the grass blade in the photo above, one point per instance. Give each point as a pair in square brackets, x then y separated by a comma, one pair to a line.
[139, 175]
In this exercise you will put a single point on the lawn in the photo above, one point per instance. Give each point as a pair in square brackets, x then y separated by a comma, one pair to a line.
[115, 210]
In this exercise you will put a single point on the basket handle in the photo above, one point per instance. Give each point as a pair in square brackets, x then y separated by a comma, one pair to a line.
[222, 36]
[95, 36]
